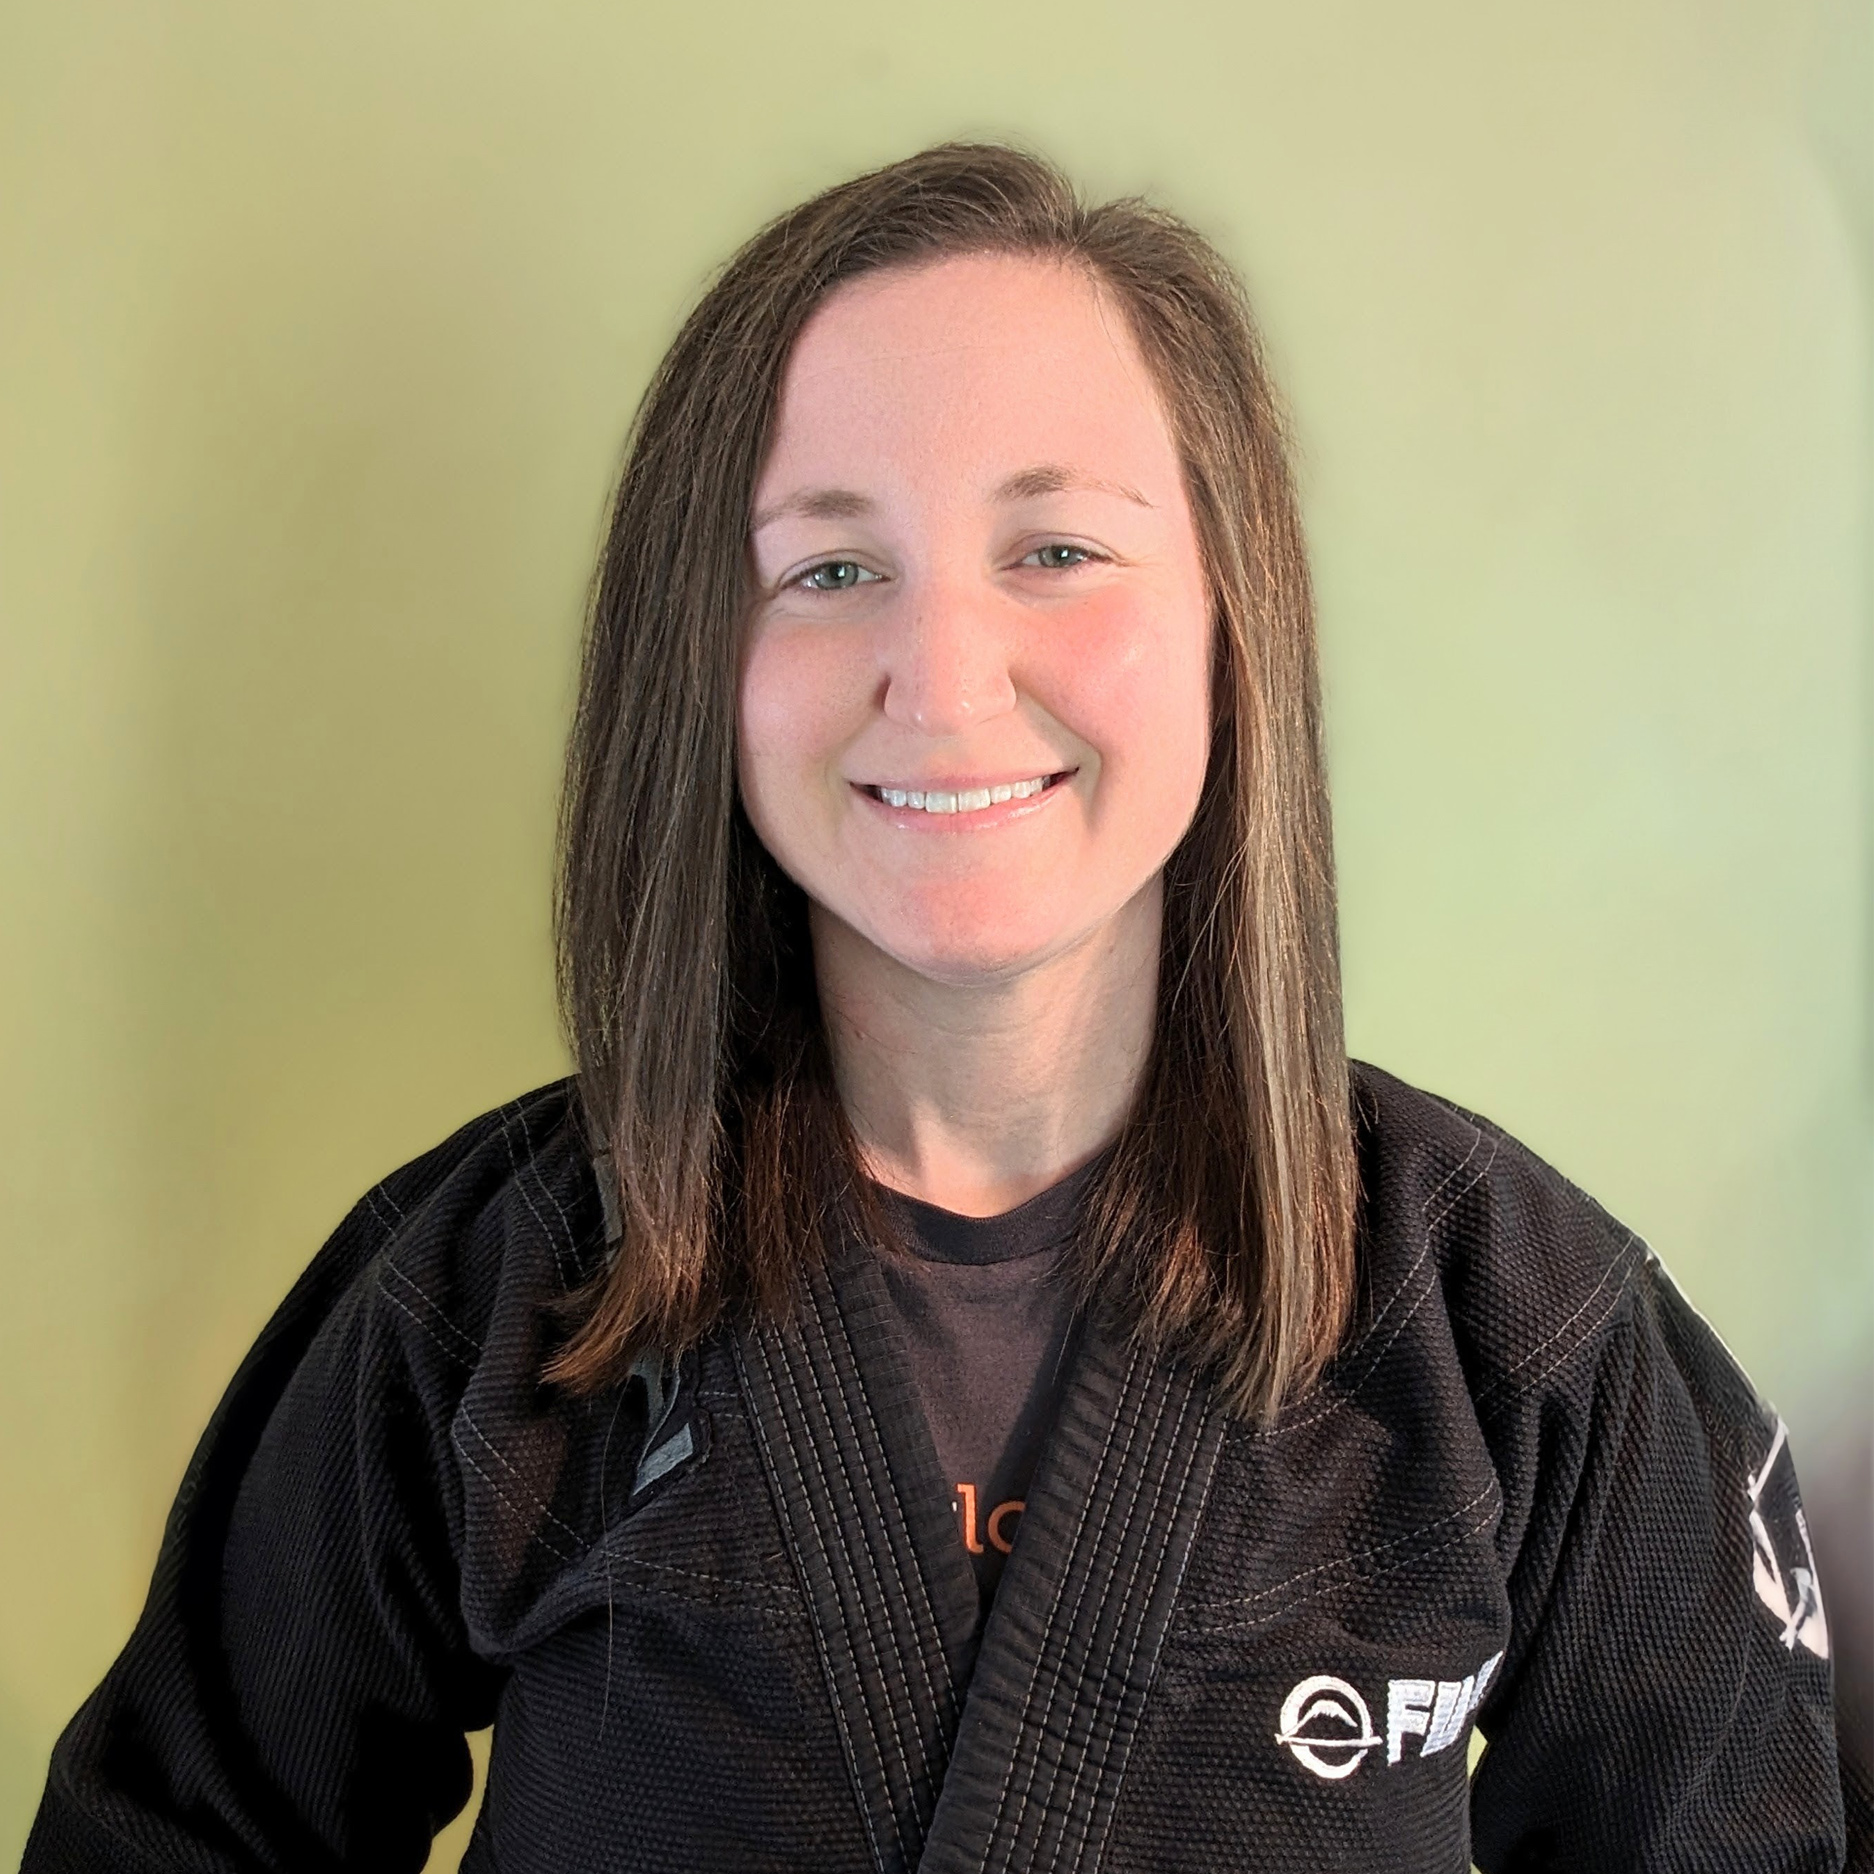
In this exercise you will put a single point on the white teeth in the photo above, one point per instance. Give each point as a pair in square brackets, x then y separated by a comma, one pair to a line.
[961, 800]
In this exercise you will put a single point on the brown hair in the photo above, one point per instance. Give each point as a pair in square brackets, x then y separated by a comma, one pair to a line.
[1222, 1224]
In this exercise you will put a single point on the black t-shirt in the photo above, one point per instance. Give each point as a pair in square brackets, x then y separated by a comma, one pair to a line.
[987, 1324]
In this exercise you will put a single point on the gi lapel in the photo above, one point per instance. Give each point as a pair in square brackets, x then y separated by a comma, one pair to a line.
[1073, 1638]
[865, 1513]
[1024, 1772]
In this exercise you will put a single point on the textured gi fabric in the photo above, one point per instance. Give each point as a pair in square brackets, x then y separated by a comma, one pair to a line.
[1532, 1491]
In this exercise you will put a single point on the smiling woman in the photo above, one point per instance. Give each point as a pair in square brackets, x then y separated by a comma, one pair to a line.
[977, 750]
[968, 1376]
[983, 488]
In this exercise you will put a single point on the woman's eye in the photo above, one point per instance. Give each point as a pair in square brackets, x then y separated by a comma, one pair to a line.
[835, 576]
[1057, 556]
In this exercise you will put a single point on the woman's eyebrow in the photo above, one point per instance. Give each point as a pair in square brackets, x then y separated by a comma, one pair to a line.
[845, 504]
[1051, 478]
[816, 504]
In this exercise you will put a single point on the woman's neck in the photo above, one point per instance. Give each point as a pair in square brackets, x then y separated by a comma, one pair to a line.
[976, 1096]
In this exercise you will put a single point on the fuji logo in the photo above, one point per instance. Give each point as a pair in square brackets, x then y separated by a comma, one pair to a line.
[1327, 1726]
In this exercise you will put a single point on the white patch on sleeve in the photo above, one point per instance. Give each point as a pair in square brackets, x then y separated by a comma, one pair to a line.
[1796, 1602]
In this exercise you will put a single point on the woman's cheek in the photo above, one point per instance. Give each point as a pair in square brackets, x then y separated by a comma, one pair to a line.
[1131, 678]
[791, 704]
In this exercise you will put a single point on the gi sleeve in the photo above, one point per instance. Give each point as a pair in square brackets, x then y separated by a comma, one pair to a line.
[1666, 1700]
[296, 1690]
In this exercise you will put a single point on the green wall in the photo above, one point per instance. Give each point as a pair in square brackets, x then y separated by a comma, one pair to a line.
[321, 329]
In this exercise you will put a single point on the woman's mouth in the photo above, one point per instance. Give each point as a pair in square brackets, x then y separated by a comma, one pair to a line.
[963, 799]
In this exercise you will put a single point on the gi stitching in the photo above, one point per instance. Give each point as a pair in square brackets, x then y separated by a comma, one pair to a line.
[1092, 1626]
[507, 1139]
[410, 1314]
[1357, 1555]
[1360, 1580]
[827, 1662]
[917, 1561]
[1202, 1497]
[1142, 1606]
[1138, 1609]
[410, 1282]
[546, 1191]
[1060, 1589]
[1068, 1570]
[520, 1482]
[371, 1196]
[917, 1565]
[1623, 1265]
[893, 1707]
[1418, 1262]
[785, 1590]
[877, 1663]
[508, 1503]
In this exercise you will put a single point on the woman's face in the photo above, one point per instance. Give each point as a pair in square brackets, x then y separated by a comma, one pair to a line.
[974, 695]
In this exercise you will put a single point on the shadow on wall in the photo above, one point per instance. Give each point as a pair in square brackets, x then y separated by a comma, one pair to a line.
[1839, 1490]
[1838, 1493]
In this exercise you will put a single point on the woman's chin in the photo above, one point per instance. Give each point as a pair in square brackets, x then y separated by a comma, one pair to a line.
[982, 958]
[964, 940]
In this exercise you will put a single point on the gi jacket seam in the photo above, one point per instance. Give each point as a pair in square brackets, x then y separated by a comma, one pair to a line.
[507, 1502]
[1489, 1490]
[1352, 1581]
[466, 1360]
[780, 1590]
[519, 1483]
[520, 1184]
[1356, 1387]
[1623, 1264]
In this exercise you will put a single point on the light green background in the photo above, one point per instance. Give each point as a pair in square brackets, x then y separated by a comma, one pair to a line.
[322, 325]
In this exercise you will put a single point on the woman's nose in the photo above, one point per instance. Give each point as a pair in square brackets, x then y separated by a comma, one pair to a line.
[946, 660]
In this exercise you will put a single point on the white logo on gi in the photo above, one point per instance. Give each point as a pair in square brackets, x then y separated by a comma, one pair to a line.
[1327, 1726]
[1798, 1602]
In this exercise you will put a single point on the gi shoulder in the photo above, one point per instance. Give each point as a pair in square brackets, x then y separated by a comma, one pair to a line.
[483, 1236]
[481, 1243]
[1534, 1275]
[1558, 1315]
[1663, 1690]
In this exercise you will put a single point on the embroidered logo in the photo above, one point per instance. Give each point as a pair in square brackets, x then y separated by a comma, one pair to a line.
[1327, 1728]
[1797, 1601]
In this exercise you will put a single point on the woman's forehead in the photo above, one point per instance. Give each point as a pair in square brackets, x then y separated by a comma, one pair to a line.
[1009, 359]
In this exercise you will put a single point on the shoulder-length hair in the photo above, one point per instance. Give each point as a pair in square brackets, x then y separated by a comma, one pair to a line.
[1222, 1223]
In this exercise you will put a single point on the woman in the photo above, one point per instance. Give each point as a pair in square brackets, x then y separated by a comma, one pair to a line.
[966, 1378]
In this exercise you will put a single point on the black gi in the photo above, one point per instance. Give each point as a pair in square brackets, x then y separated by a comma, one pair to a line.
[720, 1619]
